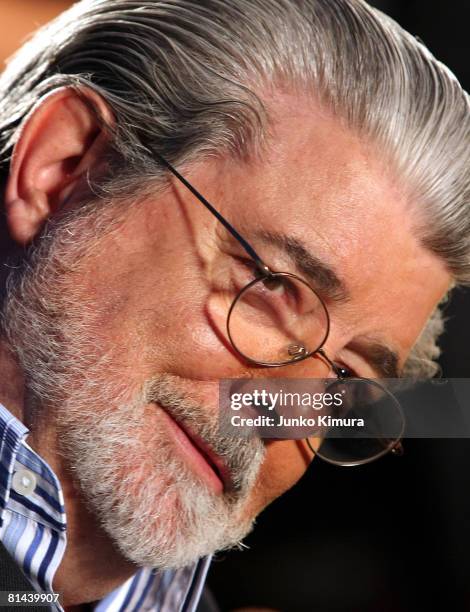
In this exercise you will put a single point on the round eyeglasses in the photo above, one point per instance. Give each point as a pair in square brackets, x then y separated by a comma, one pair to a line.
[278, 319]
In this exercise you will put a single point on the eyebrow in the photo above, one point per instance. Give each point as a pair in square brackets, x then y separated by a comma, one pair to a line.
[321, 274]
[380, 357]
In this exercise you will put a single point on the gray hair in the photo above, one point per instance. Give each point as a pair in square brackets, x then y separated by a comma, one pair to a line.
[185, 79]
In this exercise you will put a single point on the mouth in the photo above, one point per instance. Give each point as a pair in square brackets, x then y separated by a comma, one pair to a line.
[198, 455]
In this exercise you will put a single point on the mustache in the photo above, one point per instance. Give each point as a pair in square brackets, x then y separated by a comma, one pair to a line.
[242, 457]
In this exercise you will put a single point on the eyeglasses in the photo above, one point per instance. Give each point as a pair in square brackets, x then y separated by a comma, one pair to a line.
[277, 319]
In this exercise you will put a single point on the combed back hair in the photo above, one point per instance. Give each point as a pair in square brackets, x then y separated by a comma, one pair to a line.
[186, 79]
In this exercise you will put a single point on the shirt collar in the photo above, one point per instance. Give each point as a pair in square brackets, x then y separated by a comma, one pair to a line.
[12, 434]
[45, 504]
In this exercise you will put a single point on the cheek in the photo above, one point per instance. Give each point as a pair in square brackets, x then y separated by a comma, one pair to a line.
[162, 330]
[153, 317]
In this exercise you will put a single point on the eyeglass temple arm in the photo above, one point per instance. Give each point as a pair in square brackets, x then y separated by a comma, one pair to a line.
[263, 268]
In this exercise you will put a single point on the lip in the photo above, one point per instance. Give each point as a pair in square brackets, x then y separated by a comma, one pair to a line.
[198, 454]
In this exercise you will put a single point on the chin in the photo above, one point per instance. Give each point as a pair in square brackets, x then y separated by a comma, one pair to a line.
[166, 518]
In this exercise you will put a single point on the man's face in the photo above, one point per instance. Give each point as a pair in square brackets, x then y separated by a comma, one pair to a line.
[139, 324]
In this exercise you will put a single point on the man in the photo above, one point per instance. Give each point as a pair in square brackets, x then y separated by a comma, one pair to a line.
[334, 144]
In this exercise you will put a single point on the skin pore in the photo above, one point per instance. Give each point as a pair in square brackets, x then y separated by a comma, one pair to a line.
[140, 318]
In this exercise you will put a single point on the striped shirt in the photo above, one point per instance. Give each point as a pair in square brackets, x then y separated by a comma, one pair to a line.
[33, 529]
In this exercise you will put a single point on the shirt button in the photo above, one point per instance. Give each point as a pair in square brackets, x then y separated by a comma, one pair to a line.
[24, 482]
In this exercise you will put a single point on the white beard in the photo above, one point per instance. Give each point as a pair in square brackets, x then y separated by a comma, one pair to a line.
[157, 511]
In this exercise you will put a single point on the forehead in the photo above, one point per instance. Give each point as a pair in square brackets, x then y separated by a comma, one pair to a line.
[323, 185]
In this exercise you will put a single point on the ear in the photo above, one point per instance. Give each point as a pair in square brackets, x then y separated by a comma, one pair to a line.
[59, 145]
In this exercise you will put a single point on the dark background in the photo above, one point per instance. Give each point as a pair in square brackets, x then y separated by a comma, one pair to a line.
[393, 536]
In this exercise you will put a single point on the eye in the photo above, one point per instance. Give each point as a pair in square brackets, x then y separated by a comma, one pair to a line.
[276, 293]
[343, 371]
[281, 285]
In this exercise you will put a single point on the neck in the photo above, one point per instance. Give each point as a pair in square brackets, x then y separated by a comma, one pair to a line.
[92, 566]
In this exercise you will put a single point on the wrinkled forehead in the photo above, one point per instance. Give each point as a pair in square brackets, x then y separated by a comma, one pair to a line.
[324, 178]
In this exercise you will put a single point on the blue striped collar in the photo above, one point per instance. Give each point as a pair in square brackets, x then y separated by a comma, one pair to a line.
[45, 505]
[12, 433]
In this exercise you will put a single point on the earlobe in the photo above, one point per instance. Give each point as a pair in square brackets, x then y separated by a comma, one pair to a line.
[61, 142]
[26, 217]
